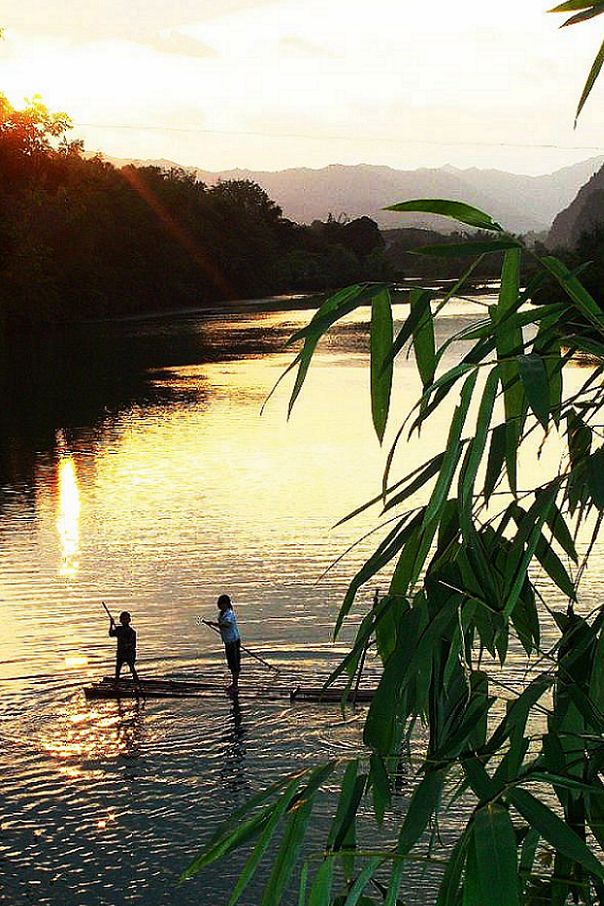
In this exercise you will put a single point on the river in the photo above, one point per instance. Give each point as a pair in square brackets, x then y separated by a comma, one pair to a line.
[136, 469]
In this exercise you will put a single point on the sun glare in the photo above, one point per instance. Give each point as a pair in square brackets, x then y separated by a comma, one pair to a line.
[68, 517]
[75, 661]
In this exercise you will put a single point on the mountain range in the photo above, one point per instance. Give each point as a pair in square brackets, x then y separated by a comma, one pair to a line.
[521, 203]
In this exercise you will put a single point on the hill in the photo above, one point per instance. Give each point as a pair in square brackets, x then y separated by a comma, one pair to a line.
[583, 215]
[522, 203]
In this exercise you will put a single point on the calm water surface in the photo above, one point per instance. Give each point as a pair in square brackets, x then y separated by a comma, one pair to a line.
[135, 468]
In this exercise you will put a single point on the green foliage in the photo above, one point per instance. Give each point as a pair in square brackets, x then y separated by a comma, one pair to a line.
[462, 570]
[583, 10]
[457, 210]
[82, 239]
[462, 582]
[491, 868]
[381, 366]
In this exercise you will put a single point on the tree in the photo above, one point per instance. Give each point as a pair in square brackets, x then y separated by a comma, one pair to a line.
[462, 589]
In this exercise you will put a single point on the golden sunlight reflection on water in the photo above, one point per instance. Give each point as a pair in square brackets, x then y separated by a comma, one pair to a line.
[68, 515]
[156, 507]
[85, 734]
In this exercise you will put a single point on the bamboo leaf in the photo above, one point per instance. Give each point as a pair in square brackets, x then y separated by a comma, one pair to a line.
[389, 547]
[528, 851]
[595, 477]
[423, 806]
[439, 390]
[525, 544]
[596, 682]
[475, 715]
[475, 452]
[472, 893]
[570, 5]
[495, 461]
[249, 869]
[559, 529]
[382, 722]
[448, 893]
[547, 557]
[381, 335]
[240, 828]
[584, 16]
[320, 891]
[419, 300]
[466, 249]
[351, 793]
[423, 342]
[246, 831]
[591, 79]
[518, 712]
[575, 290]
[579, 438]
[478, 779]
[453, 451]
[369, 625]
[390, 490]
[288, 852]
[555, 831]
[335, 307]
[380, 787]
[332, 310]
[496, 858]
[456, 210]
[356, 891]
[557, 780]
[510, 344]
[525, 618]
[536, 385]
[426, 472]
[303, 885]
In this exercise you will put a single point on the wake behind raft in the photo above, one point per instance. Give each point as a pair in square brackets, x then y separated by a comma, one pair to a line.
[160, 687]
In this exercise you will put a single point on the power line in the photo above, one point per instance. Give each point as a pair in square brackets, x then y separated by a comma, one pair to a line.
[321, 137]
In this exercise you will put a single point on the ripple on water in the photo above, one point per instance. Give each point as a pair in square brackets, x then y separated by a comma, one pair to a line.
[116, 797]
[156, 504]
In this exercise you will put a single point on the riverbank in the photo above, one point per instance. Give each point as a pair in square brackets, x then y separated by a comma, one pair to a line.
[286, 302]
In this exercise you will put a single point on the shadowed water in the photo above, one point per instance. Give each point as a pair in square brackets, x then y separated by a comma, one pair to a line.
[135, 469]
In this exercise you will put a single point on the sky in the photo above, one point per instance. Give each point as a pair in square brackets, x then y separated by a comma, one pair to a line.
[272, 84]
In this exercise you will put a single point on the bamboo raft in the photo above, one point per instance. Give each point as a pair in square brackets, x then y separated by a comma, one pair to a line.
[159, 687]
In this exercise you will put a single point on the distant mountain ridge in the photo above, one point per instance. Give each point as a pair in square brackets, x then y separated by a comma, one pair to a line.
[585, 212]
[520, 203]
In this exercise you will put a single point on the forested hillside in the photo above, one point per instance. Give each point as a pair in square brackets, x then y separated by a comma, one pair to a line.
[522, 203]
[82, 239]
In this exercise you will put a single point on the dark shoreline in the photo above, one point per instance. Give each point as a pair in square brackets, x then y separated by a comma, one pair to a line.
[284, 302]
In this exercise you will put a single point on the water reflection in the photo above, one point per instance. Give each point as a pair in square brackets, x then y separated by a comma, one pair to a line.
[163, 486]
[87, 735]
[68, 516]
[232, 773]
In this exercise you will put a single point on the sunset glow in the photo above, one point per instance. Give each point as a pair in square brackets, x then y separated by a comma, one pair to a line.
[272, 83]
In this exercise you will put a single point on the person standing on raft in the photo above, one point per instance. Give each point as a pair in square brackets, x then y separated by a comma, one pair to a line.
[229, 632]
[126, 645]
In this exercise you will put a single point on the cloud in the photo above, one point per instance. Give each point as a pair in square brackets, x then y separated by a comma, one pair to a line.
[180, 44]
[303, 48]
[139, 21]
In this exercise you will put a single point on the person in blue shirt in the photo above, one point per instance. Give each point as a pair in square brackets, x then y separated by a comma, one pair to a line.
[229, 632]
